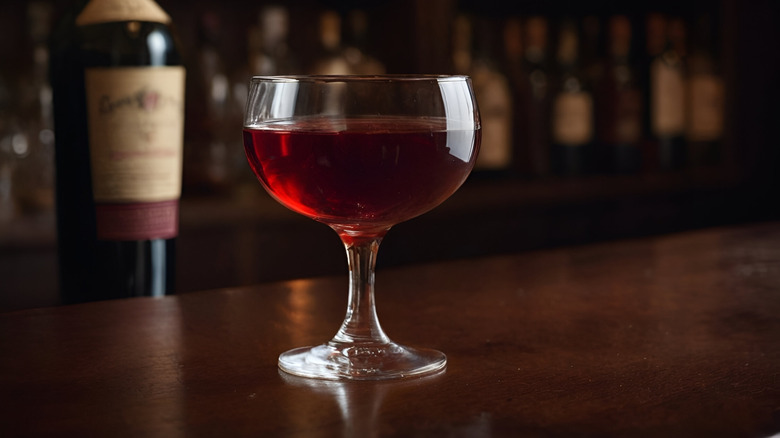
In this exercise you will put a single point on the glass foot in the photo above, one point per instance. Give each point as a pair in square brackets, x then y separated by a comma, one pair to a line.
[335, 361]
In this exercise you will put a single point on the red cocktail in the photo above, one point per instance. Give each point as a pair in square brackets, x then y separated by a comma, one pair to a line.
[361, 174]
[361, 154]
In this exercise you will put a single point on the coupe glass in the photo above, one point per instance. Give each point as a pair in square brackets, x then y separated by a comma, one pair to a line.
[361, 154]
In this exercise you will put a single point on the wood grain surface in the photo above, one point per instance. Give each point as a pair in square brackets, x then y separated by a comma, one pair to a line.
[672, 336]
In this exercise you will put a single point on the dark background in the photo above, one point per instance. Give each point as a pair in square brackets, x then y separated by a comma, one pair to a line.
[243, 237]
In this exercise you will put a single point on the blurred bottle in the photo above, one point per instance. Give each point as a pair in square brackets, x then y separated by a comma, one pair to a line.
[119, 110]
[666, 89]
[572, 108]
[356, 46]
[705, 99]
[533, 105]
[210, 111]
[461, 44]
[269, 52]
[12, 140]
[518, 83]
[33, 179]
[475, 55]
[330, 58]
[10, 134]
[592, 51]
[513, 49]
[619, 104]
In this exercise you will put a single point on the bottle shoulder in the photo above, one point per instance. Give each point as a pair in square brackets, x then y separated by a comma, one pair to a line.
[114, 44]
[128, 41]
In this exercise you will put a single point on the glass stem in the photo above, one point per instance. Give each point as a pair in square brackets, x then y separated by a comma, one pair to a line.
[361, 325]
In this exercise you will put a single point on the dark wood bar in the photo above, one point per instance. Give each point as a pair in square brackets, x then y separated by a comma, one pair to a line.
[673, 335]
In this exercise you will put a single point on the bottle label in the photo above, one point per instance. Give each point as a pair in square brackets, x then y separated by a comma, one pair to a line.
[136, 126]
[138, 221]
[107, 11]
[705, 117]
[668, 99]
[573, 119]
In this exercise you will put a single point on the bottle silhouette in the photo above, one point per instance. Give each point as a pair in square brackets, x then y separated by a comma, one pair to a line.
[619, 103]
[666, 93]
[572, 112]
[705, 98]
[475, 55]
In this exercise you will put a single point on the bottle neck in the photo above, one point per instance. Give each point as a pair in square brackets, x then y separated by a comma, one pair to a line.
[330, 31]
[656, 34]
[536, 37]
[274, 29]
[620, 38]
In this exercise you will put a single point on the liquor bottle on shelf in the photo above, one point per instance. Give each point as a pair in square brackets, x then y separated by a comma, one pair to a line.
[356, 46]
[330, 59]
[572, 112]
[33, 179]
[518, 83]
[269, 52]
[461, 44]
[7, 154]
[619, 104]
[666, 89]
[118, 88]
[592, 51]
[706, 94]
[207, 156]
[533, 102]
[654, 43]
[475, 56]
[513, 48]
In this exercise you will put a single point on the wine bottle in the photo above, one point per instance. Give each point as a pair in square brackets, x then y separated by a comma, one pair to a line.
[513, 66]
[491, 87]
[533, 105]
[592, 52]
[33, 178]
[330, 59]
[7, 154]
[619, 107]
[356, 45]
[473, 54]
[706, 97]
[572, 109]
[118, 92]
[269, 51]
[666, 87]
[206, 169]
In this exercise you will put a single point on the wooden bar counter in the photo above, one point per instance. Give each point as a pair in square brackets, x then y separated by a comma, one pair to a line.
[670, 336]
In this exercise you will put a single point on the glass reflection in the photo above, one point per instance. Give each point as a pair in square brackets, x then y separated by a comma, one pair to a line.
[360, 403]
[300, 307]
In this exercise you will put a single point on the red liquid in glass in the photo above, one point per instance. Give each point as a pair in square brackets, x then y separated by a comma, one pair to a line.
[361, 174]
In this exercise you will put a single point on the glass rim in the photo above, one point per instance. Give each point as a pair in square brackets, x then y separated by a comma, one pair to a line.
[359, 78]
